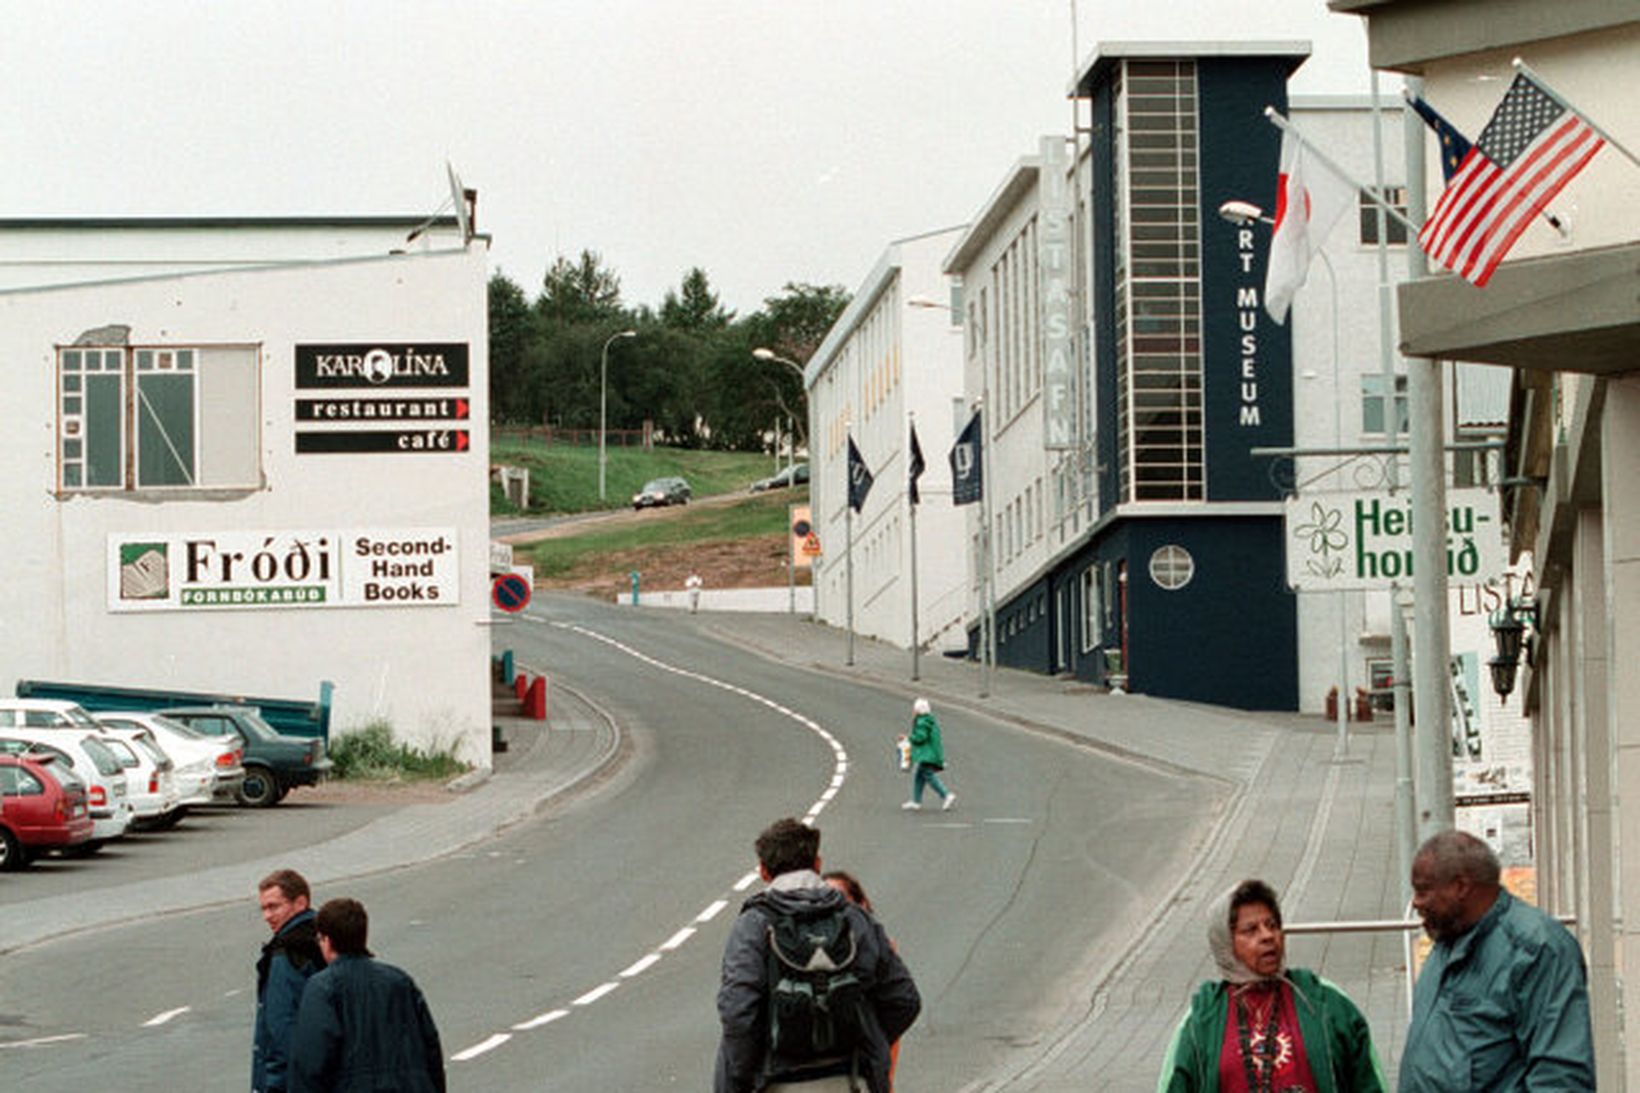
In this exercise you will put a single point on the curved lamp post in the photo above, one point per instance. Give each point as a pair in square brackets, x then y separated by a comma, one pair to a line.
[603, 402]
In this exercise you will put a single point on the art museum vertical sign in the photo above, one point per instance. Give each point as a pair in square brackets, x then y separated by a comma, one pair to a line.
[425, 402]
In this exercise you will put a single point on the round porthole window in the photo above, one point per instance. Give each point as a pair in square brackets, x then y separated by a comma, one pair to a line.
[1171, 567]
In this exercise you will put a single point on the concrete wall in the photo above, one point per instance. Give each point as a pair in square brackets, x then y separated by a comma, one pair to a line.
[423, 667]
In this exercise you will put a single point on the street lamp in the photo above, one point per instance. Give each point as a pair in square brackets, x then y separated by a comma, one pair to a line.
[1244, 214]
[763, 353]
[603, 402]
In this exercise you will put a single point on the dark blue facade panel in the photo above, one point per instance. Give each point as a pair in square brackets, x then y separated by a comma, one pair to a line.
[1025, 631]
[1247, 360]
[1228, 637]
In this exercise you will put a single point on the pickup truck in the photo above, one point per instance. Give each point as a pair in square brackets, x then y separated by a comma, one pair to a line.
[274, 763]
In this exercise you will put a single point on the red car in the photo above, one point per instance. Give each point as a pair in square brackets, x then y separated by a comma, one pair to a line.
[42, 807]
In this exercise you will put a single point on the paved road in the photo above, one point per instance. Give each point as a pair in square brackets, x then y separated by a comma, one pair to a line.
[568, 933]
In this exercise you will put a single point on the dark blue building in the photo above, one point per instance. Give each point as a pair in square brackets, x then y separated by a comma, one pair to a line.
[1179, 583]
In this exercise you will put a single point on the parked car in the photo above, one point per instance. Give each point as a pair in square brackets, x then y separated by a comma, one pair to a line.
[44, 713]
[208, 768]
[42, 807]
[274, 763]
[795, 475]
[92, 763]
[662, 491]
[150, 783]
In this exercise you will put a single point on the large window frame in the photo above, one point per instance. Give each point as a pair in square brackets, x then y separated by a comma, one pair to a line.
[1160, 413]
[158, 419]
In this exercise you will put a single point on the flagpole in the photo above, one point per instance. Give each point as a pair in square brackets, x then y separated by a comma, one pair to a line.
[916, 651]
[1525, 70]
[1373, 196]
[848, 569]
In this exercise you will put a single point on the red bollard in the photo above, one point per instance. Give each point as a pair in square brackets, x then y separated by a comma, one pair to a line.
[521, 684]
[536, 705]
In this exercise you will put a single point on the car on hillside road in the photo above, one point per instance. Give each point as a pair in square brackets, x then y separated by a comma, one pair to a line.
[795, 475]
[274, 762]
[658, 492]
[42, 807]
[208, 768]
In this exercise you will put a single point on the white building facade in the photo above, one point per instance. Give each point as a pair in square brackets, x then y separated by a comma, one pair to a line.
[239, 477]
[1562, 313]
[890, 361]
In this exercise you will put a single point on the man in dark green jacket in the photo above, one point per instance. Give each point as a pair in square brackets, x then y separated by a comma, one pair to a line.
[363, 1025]
[1502, 1002]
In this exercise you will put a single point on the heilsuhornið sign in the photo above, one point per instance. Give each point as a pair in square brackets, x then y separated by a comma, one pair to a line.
[1364, 540]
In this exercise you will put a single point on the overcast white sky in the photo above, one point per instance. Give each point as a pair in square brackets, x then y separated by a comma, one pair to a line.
[764, 140]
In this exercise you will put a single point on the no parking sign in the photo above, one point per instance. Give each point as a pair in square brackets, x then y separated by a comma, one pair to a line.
[510, 592]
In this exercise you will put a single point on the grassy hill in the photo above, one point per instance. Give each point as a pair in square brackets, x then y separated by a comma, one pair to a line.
[564, 477]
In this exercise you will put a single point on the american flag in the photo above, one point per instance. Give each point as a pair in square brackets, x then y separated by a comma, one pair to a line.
[1532, 147]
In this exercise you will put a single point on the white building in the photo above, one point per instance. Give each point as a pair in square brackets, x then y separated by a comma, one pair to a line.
[1561, 312]
[251, 456]
[885, 364]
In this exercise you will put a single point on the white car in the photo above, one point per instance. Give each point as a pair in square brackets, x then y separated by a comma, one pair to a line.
[208, 768]
[93, 763]
[150, 785]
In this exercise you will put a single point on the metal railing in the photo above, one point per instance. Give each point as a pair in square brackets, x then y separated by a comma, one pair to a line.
[1408, 927]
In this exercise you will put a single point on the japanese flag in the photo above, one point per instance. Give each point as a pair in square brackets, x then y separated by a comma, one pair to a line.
[1309, 201]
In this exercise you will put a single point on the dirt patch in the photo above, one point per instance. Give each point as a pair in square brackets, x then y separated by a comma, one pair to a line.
[745, 563]
[337, 792]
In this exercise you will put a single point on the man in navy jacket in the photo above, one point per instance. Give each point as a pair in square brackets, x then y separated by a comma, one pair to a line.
[363, 1025]
[286, 963]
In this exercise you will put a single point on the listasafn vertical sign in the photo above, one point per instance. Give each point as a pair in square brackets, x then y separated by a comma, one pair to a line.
[1054, 263]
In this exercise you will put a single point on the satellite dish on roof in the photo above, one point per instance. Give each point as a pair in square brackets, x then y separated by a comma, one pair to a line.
[459, 197]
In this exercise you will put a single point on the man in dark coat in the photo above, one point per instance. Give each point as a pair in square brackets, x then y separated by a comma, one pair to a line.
[364, 1025]
[788, 854]
[288, 960]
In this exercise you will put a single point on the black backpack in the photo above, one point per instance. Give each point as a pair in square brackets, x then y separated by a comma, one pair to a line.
[816, 999]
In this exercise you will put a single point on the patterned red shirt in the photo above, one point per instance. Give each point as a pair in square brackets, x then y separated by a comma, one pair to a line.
[1278, 1061]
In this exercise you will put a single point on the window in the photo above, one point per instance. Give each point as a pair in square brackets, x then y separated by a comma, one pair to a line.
[1171, 567]
[1092, 632]
[158, 417]
[17, 782]
[1372, 404]
[1395, 232]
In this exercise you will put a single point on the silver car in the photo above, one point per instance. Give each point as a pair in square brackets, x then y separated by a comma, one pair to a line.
[208, 768]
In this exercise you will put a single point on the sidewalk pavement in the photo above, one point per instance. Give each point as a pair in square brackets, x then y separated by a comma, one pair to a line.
[1316, 825]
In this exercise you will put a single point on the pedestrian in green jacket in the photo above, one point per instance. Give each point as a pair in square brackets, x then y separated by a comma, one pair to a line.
[1502, 1002]
[927, 757]
[1262, 1026]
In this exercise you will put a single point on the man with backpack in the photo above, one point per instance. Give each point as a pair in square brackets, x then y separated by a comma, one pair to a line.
[812, 991]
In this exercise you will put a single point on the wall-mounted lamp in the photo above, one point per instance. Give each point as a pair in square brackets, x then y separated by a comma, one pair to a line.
[1509, 630]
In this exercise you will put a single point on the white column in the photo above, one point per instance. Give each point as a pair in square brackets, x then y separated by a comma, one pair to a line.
[1620, 500]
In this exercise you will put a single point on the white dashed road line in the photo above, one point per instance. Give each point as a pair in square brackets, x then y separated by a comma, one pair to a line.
[160, 1018]
[838, 777]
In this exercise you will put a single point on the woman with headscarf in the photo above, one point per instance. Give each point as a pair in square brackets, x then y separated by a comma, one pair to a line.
[927, 757]
[1262, 1027]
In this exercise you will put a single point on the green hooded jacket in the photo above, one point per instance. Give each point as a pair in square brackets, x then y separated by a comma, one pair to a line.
[1337, 1041]
[925, 742]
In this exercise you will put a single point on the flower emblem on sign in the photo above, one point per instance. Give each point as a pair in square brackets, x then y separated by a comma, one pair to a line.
[1325, 537]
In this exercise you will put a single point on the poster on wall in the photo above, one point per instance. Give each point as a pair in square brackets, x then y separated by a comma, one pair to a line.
[398, 567]
[1491, 736]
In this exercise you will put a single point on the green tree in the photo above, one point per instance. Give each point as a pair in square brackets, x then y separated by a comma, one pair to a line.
[511, 328]
[579, 292]
[694, 306]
